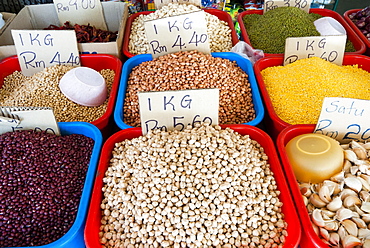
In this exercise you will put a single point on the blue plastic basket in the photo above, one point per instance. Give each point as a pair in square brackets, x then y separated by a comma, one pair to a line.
[243, 63]
[74, 238]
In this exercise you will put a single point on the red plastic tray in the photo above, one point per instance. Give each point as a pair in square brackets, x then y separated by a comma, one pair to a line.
[309, 238]
[351, 35]
[274, 124]
[222, 15]
[291, 217]
[94, 61]
[356, 29]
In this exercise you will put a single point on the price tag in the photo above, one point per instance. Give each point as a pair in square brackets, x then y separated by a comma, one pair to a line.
[178, 33]
[23, 118]
[81, 12]
[169, 110]
[160, 3]
[273, 4]
[38, 49]
[345, 119]
[330, 48]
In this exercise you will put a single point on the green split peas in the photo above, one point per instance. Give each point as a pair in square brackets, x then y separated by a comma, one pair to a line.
[269, 31]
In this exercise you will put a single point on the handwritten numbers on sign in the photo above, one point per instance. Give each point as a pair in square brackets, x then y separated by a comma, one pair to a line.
[273, 4]
[169, 110]
[38, 49]
[81, 12]
[178, 33]
[330, 48]
[345, 119]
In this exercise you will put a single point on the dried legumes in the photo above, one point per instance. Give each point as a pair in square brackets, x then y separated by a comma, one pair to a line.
[42, 90]
[41, 181]
[219, 33]
[269, 31]
[201, 187]
[297, 90]
[192, 70]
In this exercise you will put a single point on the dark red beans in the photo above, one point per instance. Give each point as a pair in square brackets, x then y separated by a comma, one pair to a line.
[41, 181]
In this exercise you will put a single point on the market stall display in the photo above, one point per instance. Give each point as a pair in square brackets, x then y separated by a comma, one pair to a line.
[295, 96]
[266, 167]
[359, 20]
[334, 212]
[269, 31]
[240, 101]
[43, 90]
[220, 28]
[46, 199]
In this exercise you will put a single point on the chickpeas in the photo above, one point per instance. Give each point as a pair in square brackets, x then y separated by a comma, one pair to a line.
[192, 70]
[218, 31]
[42, 90]
[202, 187]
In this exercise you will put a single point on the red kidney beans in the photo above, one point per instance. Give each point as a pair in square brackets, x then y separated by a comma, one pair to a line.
[41, 181]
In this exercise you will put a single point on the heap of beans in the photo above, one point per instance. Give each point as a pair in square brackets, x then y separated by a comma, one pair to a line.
[192, 70]
[201, 187]
[297, 90]
[218, 31]
[269, 31]
[41, 181]
[42, 90]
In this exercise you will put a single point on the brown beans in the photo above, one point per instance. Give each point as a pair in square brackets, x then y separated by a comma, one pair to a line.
[192, 70]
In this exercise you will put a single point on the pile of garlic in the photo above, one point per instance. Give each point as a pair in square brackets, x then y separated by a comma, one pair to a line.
[340, 207]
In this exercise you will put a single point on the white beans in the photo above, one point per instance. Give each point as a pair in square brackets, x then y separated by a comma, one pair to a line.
[218, 31]
[165, 201]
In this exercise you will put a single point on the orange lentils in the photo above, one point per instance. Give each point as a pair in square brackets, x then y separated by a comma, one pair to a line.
[297, 90]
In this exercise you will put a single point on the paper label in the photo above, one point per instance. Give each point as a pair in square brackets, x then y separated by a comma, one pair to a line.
[273, 4]
[39, 49]
[178, 33]
[81, 12]
[32, 118]
[169, 110]
[345, 119]
[160, 3]
[330, 48]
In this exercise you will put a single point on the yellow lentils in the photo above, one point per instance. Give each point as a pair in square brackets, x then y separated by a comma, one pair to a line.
[297, 90]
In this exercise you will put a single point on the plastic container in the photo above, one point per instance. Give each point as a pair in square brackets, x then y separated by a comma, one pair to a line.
[314, 157]
[291, 217]
[351, 35]
[309, 238]
[75, 235]
[243, 63]
[274, 124]
[94, 61]
[222, 15]
[356, 29]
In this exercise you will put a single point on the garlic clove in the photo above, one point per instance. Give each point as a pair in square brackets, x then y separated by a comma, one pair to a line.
[364, 196]
[347, 166]
[324, 194]
[365, 207]
[350, 201]
[363, 233]
[335, 204]
[366, 218]
[324, 234]
[350, 155]
[365, 184]
[329, 214]
[334, 239]
[353, 183]
[339, 177]
[350, 241]
[350, 227]
[366, 243]
[343, 214]
[331, 225]
[342, 232]
[317, 218]
[360, 153]
[334, 187]
[346, 192]
[316, 201]
[359, 222]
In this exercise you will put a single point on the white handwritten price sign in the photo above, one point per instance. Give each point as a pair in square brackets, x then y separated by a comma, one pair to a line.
[178, 33]
[81, 12]
[32, 118]
[330, 48]
[345, 119]
[160, 3]
[38, 49]
[273, 4]
[169, 110]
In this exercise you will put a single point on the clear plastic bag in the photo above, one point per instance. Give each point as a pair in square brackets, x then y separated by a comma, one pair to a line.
[245, 50]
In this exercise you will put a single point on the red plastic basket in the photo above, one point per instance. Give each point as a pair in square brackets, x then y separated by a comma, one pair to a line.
[351, 35]
[94, 215]
[94, 61]
[274, 124]
[356, 29]
[309, 237]
[222, 15]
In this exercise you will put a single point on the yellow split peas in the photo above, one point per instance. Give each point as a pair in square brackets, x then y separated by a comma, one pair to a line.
[297, 90]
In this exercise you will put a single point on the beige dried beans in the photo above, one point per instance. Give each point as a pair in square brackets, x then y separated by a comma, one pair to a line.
[42, 90]
[192, 70]
[202, 187]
